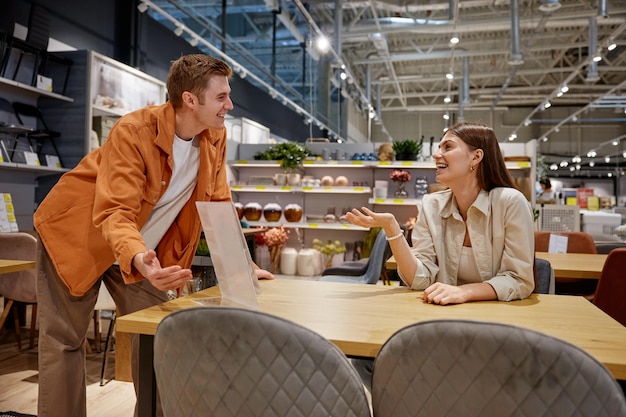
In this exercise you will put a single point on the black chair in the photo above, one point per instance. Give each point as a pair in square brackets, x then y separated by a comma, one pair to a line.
[35, 44]
[41, 132]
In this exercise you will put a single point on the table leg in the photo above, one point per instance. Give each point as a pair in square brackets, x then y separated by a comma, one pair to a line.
[146, 397]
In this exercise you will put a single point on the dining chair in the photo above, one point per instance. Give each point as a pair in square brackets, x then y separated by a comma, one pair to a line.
[19, 286]
[373, 270]
[471, 368]
[577, 242]
[229, 361]
[545, 277]
[610, 295]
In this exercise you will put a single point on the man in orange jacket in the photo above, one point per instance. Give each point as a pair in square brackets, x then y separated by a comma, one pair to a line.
[126, 216]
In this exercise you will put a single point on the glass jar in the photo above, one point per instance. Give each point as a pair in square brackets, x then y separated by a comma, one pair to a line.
[272, 212]
[293, 213]
[252, 211]
[421, 187]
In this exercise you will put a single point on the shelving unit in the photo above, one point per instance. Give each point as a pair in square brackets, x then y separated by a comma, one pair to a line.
[362, 175]
[22, 180]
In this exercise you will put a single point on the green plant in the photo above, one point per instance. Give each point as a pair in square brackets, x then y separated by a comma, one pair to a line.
[329, 249]
[290, 154]
[407, 149]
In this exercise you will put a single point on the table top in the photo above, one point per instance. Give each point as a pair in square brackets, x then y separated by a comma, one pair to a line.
[575, 265]
[10, 265]
[359, 318]
[565, 265]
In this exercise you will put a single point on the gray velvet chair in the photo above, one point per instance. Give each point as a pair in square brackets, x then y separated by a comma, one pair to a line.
[370, 273]
[470, 369]
[225, 361]
[19, 286]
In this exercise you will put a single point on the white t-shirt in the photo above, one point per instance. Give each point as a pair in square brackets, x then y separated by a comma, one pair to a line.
[186, 156]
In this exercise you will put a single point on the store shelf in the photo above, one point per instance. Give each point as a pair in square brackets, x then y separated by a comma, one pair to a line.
[32, 168]
[298, 189]
[308, 225]
[27, 89]
[202, 261]
[394, 201]
[516, 165]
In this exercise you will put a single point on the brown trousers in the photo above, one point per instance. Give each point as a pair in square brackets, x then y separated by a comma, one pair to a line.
[63, 324]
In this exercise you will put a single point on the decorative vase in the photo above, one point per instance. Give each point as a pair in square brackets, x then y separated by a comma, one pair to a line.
[401, 192]
[275, 259]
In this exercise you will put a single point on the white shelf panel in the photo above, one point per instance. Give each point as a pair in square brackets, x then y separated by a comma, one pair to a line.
[394, 201]
[24, 88]
[362, 164]
[308, 225]
[298, 189]
[32, 168]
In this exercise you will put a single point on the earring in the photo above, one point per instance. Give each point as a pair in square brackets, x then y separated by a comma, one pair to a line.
[472, 168]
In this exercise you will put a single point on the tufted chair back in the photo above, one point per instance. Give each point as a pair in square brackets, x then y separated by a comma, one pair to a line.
[610, 295]
[227, 362]
[481, 369]
[22, 285]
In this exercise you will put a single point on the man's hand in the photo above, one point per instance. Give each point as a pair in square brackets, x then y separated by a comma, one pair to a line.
[168, 278]
[263, 274]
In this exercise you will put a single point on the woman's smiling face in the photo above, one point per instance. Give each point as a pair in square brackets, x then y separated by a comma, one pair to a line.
[453, 159]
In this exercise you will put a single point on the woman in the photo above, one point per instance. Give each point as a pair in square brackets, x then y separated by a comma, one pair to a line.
[546, 190]
[473, 241]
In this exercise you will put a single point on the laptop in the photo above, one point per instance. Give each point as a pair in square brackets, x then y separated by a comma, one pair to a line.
[229, 254]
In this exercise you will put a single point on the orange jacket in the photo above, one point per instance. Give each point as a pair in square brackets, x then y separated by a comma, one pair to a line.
[93, 215]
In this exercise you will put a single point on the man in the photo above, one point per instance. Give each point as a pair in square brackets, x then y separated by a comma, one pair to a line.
[126, 216]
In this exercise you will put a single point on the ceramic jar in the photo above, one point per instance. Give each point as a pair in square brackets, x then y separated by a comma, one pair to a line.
[252, 211]
[272, 212]
[239, 209]
[293, 213]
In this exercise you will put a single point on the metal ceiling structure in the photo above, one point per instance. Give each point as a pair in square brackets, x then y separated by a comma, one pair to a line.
[397, 55]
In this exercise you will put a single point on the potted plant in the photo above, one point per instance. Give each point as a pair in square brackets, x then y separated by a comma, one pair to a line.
[290, 154]
[407, 150]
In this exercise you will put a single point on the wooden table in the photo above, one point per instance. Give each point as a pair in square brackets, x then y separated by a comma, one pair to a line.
[359, 318]
[10, 265]
[575, 265]
[565, 265]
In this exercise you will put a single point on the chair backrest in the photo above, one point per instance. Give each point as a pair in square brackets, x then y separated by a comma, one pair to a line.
[545, 277]
[19, 286]
[375, 264]
[577, 242]
[377, 259]
[470, 368]
[226, 361]
[610, 294]
[38, 35]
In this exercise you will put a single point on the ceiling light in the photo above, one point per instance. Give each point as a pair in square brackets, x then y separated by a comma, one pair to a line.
[612, 44]
[454, 39]
[592, 164]
[322, 44]
[343, 75]
[592, 154]
[563, 164]
[610, 174]
[607, 159]
[544, 139]
[179, 31]
[554, 167]
[193, 41]
[450, 75]
[547, 104]
[142, 7]
[448, 99]
[559, 94]
[615, 143]
[446, 116]
[527, 122]
[574, 118]
[596, 57]
[564, 88]
[572, 168]
[624, 154]
[548, 6]
[576, 159]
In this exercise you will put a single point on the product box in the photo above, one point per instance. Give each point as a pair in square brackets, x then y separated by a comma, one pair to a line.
[44, 83]
[582, 194]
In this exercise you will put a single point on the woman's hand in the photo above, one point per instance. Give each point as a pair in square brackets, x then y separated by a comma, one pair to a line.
[367, 218]
[443, 294]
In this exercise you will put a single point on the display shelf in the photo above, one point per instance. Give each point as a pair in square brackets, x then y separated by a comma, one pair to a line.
[105, 111]
[395, 201]
[24, 89]
[308, 225]
[299, 189]
[430, 165]
[202, 261]
[32, 168]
